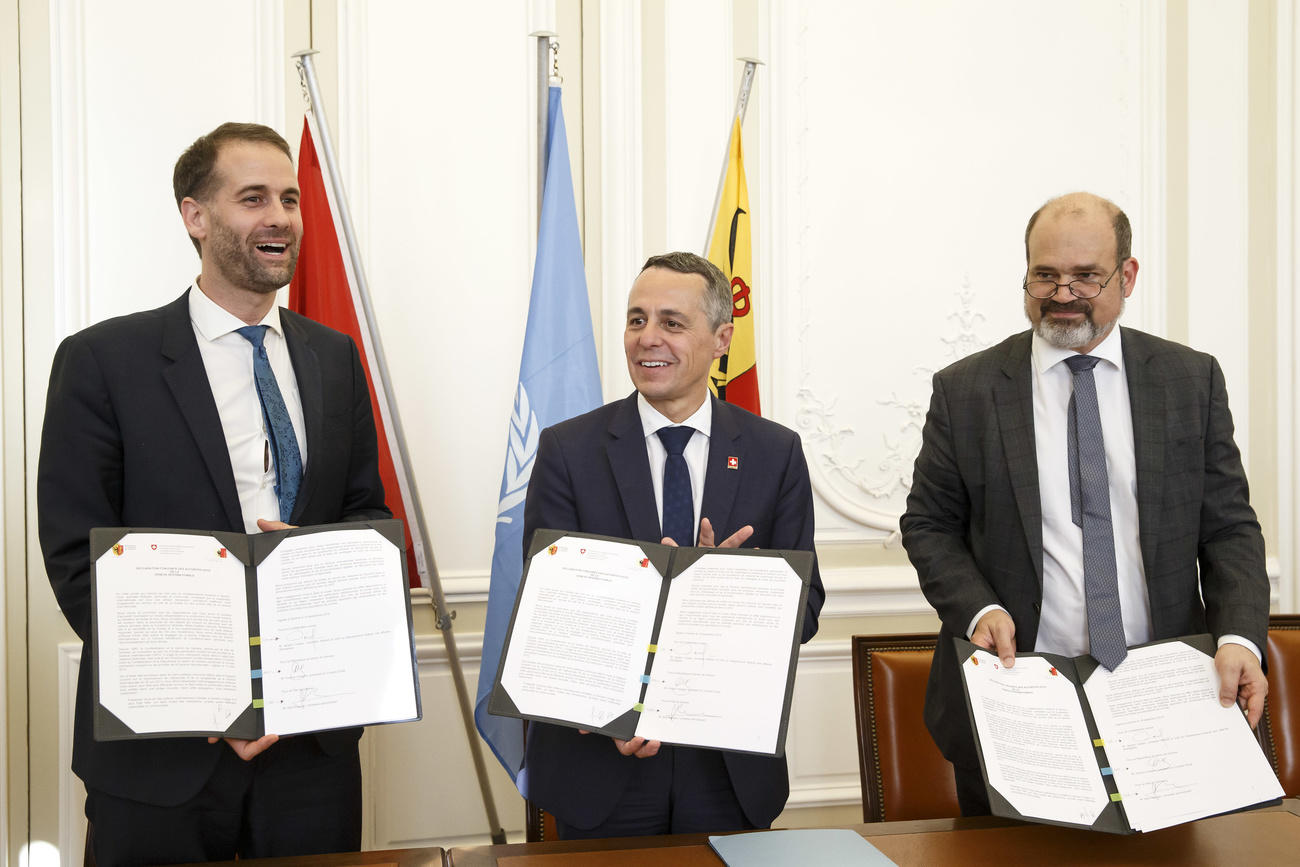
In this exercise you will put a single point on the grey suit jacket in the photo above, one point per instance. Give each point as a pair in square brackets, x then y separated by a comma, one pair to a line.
[973, 526]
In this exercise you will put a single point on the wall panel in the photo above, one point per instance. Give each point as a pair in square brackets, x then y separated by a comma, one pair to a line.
[906, 157]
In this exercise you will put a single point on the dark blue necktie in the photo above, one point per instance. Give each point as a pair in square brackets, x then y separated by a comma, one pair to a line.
[1090, 510]
[679, 506]
[279, 428]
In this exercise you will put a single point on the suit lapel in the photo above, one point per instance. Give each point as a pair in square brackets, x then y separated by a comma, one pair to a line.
[1013, 395]
[306, 369]
[721, 483]
[631, 468]
[1147, 397]
[188, 380]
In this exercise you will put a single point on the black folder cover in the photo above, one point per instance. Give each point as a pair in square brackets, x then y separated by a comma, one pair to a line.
[670, 562]
[251, 550]
[1077, 670]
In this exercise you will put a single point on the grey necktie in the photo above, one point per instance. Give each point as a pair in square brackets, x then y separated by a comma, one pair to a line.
[1090, 509]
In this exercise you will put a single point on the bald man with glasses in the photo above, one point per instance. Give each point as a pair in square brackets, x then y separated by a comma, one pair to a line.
[1078, 488]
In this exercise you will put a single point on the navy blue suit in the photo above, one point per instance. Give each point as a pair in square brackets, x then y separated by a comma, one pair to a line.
[592, 475]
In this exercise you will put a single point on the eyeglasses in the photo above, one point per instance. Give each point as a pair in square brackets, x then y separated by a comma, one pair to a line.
[1044, 289]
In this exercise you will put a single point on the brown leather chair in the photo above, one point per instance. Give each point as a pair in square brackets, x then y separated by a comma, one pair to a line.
[904, 776]
[1279, 730]
[539, 825]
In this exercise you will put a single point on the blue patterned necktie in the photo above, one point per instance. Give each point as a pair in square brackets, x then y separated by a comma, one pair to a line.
[279, 428]
[679, 505]
[1090, 510]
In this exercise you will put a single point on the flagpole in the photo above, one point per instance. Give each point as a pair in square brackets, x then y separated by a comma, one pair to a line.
[308, 73]
[547, 59]
[742, 105]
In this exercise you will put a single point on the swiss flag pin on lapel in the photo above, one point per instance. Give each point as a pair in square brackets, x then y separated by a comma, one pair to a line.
[733, 463]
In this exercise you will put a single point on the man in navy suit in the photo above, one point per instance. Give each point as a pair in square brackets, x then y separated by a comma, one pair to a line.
[603, 472]
[154, 420]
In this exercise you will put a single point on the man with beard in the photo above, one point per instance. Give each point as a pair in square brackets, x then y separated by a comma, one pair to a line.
[218, 411]
[1078, 489]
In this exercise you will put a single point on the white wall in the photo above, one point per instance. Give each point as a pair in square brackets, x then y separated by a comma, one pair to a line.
[894, 151]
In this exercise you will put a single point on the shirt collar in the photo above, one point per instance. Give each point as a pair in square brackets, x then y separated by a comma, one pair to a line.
[652, 419]
[1047, 356]
[214, 321]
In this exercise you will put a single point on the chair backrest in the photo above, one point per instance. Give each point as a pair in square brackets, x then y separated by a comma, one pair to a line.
[1280, 728]
[904, 776]
[539, 825]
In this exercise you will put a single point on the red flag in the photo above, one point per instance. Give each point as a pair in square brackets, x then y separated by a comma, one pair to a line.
[323, 290]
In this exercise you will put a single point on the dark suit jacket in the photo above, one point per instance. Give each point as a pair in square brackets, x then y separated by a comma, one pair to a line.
[132, 438]
[593, 475]
[973, 527]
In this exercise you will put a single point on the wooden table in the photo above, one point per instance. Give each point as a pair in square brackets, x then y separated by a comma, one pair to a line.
[428, 857]
[1262, 837]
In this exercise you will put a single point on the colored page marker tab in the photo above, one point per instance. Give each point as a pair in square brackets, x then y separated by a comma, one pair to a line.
[1106, 772]
[257, 702]
[653, 648]
[257, 672]
[254, 640]
[1116, 797]
[638, 707]
[645, 678]
[1098, 742]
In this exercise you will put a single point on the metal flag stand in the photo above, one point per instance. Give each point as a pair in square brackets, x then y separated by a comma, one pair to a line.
[548, 73]
[742, 104]
[424, 550]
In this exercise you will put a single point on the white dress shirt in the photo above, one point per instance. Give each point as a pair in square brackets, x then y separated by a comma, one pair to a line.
[228, 359]
[1063, 623]
[696, 454]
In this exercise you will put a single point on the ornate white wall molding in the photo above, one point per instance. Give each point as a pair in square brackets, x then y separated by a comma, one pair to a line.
[1287, 364]
[68, 170]
[1152, 301]
[851, 592]
[859, 401]
[72, 794]
[352, 126]
[822, 738]
[271, 66]
[621, 181]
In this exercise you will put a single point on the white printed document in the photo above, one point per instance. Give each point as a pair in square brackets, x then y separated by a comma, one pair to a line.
[1146, 746]
[693, 646]
[234, 635]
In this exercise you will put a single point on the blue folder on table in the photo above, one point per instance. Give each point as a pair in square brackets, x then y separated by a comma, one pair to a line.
[836, 846]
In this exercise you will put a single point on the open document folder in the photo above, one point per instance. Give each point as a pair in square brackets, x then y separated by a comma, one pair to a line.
[694, 646]
[1146, 746]
[226, 634]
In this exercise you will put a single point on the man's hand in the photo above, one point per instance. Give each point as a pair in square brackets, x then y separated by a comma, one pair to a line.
[638, 747]
[1241, 680]
[267, 526]
[735, 540]
[246, 749]
[997, 632]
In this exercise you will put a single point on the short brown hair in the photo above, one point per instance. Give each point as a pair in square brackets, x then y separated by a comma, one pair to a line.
[716, 302]
[193, 175]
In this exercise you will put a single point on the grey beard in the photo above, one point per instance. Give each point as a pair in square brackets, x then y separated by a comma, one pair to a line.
[1073, 336]
[1068, 336]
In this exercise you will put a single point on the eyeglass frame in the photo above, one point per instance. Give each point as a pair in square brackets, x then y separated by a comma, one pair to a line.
[1056, 287]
